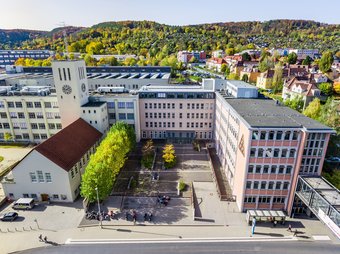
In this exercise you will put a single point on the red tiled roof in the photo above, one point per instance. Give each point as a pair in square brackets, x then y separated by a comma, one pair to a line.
[68, 146]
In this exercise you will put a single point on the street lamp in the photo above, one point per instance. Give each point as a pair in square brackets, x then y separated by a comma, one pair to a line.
[100, 214]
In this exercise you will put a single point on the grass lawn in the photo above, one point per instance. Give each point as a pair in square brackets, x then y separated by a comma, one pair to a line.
[12, 146]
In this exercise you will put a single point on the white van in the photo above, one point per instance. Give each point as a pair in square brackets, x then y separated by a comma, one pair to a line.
[24, 203]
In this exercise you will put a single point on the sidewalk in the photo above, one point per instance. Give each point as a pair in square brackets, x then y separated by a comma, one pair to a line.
[26, 240]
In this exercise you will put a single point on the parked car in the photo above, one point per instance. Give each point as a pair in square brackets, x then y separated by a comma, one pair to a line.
[9, 216]
[333, 159]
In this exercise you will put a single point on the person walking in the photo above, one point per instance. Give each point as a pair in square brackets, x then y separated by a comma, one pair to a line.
[45, 239]
[295, 232]
[40, 238]
[289, 228]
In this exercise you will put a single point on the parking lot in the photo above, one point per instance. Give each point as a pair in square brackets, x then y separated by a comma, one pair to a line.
[54, 216]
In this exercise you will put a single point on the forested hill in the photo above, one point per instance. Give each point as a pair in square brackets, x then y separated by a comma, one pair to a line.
[147, 37]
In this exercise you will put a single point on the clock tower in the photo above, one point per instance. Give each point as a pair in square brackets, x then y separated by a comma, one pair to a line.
[70, 80]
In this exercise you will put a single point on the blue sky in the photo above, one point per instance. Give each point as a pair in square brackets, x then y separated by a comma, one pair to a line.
[46, 14]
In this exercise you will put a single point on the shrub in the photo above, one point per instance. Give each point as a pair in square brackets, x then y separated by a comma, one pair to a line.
[182, 185]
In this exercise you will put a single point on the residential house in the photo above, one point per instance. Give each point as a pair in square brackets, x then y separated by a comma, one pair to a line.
[251, 72]
[53, 169]
[300, 88]
[215, 63]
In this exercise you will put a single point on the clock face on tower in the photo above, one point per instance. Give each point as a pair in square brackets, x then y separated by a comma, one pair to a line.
[67, 89]
[83, 87]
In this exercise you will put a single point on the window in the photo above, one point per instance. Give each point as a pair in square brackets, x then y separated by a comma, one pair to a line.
[265, 169]
[271, 135]
[18, 104]
[130, 116]
[279, 135]
[112, 105]
[10, 104]
[55, 196]
[270, 185]
[278, 186]
[48, 105]
[256, 185]
[263, 135]
[180, 106]
[281, 169]
[173, 105]
[268, 153]
[292, 153]
[252, 152]
[34, 126]
[260, 153]
[289, 169]
[121, 105]
[285, 185]
[284, 153]
[250, 169]
[276, 152]
[258, 169]
[264, 200]
[40, 176]
[33, 177]
[263, 185]
[48, 177]
[37, 104]
[180, 115]
[273, 169]
[248, 185]
[72, 173]
[287, 135]
[21, 115]
[295, 135]
[42, 126]
[122, 116]
[250, 199]
[31, 115]
[255, 135]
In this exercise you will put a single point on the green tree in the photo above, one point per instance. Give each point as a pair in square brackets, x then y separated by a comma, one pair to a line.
[329, 115]
[326, 88]
[278, 78]
[245, 78]
[246, 57]
[148, 150]
[234, 76]
[326, 61]
[265, 64]
[223, 68]
[169, 156]
[313, 110]
[107, 161]
[307, 61]
[292, 58]
[295, 103]
[230, 51]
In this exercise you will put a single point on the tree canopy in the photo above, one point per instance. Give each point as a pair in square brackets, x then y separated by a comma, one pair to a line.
[326, 61]
[107, 161]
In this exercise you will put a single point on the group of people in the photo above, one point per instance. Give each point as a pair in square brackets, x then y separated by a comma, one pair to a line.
[42, 239]
[290, 230]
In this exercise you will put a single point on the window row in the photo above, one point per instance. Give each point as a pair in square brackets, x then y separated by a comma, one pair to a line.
[269, 152]
[275, 135]
[313, 152]
[167, 134]
[267, 185]
[126, 116]
[270, 169]
[264, 199]
[180, 125]
[38, 176]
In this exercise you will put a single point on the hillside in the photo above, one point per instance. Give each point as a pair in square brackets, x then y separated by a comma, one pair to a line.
[150, 38]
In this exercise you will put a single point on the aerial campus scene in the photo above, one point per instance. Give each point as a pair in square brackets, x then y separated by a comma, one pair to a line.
[170, 127]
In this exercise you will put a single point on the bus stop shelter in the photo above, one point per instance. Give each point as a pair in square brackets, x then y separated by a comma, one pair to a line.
[265, 215]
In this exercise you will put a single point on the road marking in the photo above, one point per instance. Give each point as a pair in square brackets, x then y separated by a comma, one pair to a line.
[175, 240]
[321, 237]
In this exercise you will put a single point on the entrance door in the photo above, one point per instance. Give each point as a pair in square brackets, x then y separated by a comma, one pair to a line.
[44, 197]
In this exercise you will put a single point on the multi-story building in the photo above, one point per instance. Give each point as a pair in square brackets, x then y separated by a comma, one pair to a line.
[303, 53]
[8, 57]
[263, 147]
[176, 112]
[185, 56]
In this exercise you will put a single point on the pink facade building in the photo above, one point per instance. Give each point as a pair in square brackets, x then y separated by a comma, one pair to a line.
[263, 147]
[176, 112]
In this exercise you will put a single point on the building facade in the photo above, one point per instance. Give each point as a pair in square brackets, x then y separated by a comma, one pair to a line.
[8, 57]
[263, 147]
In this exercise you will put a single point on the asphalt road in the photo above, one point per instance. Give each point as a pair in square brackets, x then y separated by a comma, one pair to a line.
[197, 248]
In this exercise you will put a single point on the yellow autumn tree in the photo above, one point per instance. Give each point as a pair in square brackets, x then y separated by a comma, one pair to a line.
[169, 156]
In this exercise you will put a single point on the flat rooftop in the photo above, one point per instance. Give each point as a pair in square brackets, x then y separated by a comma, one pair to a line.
[267, 113]
[93, 104]
[241, 84]
[174, 88]
[125, 75]
[326, 190]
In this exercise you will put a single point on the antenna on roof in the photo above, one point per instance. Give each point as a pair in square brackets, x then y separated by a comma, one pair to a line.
[65, 37]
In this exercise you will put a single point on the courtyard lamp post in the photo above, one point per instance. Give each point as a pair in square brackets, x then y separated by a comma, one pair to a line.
[100, 214]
